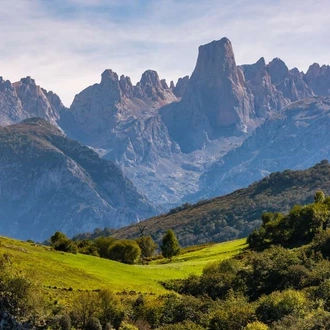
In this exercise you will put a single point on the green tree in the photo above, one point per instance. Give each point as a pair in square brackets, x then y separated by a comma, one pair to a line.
[103, 244]
[319, 196]
[147, 246]
[170, 246]
[61, 242]
[126, 251]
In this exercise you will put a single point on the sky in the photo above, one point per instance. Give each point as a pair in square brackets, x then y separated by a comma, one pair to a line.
[65, 45]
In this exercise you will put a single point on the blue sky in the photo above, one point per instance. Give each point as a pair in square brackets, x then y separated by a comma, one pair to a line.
[65, 45]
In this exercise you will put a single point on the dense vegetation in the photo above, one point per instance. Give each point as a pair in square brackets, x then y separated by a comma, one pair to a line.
[281, 282]
[70, 286]
[237, 214]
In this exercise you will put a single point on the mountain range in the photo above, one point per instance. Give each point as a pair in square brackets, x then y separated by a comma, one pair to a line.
[50, 183]
[218, 130]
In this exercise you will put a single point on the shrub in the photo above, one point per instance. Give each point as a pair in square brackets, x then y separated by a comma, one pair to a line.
[125, 251]
[279, 304]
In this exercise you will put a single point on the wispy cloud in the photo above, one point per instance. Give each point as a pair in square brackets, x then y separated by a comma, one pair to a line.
[66, 44]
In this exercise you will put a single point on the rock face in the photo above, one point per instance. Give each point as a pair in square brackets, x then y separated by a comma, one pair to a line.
[266, 97]
[49, 182]
[318, 78]
[290, 83]
[295, 138]
[121, 118]
[180, 88]
[215, 103]
[24, 99]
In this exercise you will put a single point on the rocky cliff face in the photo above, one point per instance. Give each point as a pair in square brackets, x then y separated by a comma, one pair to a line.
[215, 103]
[49, 183]
[180, 88]
[25, 99]
[295, 138]
[122, 119]
[318, 78]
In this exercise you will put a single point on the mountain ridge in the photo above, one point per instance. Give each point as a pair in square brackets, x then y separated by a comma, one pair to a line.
[49, 182]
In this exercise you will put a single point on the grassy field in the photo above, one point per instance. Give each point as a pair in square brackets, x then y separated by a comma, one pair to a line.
[83, 272]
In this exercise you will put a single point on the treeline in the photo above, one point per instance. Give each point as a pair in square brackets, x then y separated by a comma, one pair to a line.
[126, 251]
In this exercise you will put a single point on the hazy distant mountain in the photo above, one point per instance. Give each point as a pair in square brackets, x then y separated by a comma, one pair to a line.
[50, 183]
[121, 118]
[24, 99]
[166, 137]
[295, 138]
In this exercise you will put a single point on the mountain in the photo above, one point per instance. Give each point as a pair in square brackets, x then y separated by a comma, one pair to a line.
[236, 214]
[49, 182]
[121, 118]
[215, 103]
[166, 138]
[295, 138]
[24, 99]
[318, 78]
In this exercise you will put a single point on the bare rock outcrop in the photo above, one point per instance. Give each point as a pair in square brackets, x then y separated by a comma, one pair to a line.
[25, 99]
[121, 118]
[181, 86]
[318, 78]
[216, 101]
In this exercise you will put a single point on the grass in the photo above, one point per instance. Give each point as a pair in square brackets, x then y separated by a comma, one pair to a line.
[83, 272]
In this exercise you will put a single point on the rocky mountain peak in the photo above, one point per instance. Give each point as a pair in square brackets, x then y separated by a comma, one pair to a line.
[318, 78]
[126, 86]
[296, 73]
[27, 81]
[277, 70]
[255, 71]
[215, 102]
[5, 84]
[215, 60]
[181, 86]
[150, 77]
[164, 83]
[108, 75]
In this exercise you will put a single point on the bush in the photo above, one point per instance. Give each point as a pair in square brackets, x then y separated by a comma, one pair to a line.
[93, 323]
[125, 251]
[279, 304]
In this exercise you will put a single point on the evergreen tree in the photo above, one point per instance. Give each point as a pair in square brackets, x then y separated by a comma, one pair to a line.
[170, 246]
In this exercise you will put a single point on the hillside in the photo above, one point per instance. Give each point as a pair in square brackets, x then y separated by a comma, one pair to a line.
[236, 214]
[84, 272]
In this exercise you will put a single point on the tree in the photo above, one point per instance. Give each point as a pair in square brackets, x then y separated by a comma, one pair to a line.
[61, 242]
[147, 246]
[319, 196]
[103, 244]
[170, 246]
[126, 251]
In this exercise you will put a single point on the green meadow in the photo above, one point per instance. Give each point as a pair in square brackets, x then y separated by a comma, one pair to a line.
[83, 272]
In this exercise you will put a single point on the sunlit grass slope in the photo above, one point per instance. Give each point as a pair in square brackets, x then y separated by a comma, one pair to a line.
[65, 270]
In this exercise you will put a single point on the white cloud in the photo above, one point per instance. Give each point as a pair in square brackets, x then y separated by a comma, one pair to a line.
[67, 45]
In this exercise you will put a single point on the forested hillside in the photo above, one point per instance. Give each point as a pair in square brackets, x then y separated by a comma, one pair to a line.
[236, 214]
